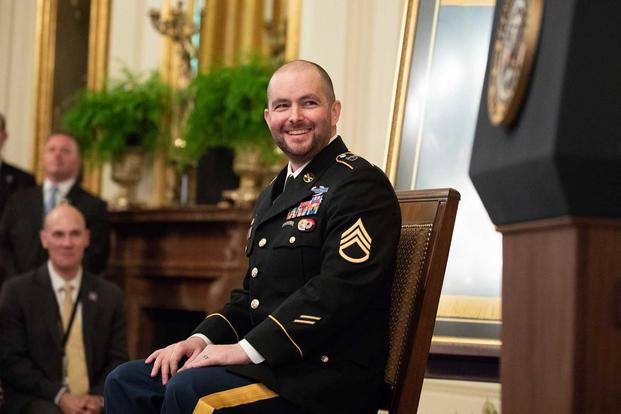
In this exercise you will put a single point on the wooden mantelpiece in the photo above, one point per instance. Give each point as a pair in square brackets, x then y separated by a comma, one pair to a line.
[175, 259]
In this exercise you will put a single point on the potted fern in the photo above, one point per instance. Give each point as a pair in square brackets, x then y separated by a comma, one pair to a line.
[228, 112]
[120, 124]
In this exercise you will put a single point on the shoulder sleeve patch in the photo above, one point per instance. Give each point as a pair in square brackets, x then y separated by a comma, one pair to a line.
[347, 158]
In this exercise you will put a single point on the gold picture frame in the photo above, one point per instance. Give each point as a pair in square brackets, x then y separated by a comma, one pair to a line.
[465, 324]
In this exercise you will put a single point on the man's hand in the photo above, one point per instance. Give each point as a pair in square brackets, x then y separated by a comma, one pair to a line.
[218, 355]
[71, 404]
[93, 404]
[167, 359]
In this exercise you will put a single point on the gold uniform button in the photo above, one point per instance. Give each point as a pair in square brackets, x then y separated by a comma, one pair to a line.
[254, 304]
[254, 272]
[324, 358]
[262, 242]
[291, 239]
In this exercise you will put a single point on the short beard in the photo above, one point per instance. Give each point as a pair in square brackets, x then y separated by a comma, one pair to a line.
[308, 155]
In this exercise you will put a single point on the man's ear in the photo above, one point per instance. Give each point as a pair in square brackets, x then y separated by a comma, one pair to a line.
[266, 116]
[43, 238]
[335, 112]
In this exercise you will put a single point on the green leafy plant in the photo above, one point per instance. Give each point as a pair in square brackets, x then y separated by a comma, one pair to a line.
[127, 113]
[228, 111]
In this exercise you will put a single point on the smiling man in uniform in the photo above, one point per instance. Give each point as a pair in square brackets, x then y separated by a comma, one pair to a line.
[308, 332]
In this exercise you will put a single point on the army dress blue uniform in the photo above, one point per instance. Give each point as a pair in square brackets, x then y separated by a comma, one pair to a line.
[315, 298]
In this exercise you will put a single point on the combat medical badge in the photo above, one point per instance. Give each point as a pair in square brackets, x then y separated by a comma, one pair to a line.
[306, 225]
[355, 245]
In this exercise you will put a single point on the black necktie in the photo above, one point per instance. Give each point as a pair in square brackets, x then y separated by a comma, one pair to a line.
[288, 182]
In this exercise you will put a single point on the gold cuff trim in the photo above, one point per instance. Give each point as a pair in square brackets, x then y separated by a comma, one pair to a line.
[315, 318]
[304, 322]
[287, 333]
[232, 398]
[226, 320]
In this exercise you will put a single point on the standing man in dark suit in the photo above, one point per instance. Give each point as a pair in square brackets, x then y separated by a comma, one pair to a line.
[62, 328]
[11, 177]
[20, 249]
[308, 332]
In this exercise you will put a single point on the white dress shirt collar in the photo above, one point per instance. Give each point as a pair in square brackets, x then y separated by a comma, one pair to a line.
[63, 187]
[58, 282]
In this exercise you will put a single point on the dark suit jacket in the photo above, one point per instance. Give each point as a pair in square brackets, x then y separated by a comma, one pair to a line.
[11, 180]
[20, 247]
[31, 340]
[315, 300]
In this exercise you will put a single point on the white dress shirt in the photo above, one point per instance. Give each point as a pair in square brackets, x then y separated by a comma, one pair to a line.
[63, 189]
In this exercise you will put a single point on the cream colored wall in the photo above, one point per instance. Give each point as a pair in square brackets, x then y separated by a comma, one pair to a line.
[17, 39]
[357, 42]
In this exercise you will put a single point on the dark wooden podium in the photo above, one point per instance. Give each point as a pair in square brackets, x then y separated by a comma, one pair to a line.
[175, 265]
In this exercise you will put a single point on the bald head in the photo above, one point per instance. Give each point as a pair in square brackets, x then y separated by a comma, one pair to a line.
[65, 212]
[65, 237]
[302, 65]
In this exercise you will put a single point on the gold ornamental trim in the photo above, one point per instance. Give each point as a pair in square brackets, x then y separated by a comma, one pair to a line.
[512, 59]
[45, 51]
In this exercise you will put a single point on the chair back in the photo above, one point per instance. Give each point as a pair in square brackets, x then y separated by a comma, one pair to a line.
[428, 217]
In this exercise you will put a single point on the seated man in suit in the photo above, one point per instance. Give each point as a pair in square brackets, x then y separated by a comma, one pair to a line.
[20, 249]
[62, 328]
[308, 332]
[11, 177]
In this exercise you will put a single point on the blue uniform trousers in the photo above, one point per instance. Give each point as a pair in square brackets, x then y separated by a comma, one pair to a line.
[130, 388]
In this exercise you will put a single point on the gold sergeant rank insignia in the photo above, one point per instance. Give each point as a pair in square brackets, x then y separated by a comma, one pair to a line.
[355, 235]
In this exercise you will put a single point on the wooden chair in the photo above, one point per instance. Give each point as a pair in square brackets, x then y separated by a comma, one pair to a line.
[428, 217]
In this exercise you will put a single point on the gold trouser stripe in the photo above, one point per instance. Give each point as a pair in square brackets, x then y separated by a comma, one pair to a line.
[233, 397]
[227, 321]
[287, 333]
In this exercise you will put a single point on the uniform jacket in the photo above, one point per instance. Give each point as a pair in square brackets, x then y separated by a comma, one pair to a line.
[315, 299]
[31, 340]
[11, 180]
[20, 247]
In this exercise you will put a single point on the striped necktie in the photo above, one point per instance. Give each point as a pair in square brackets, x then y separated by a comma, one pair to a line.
[51, 200]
